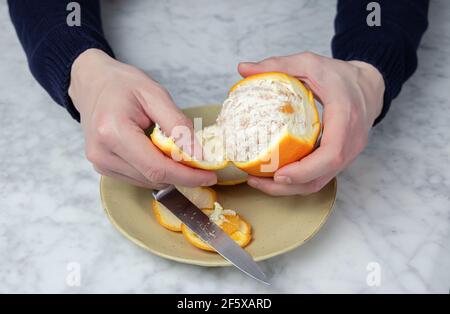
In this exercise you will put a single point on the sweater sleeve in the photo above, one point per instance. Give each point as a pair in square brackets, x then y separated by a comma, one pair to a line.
[51, 45]
[390, 47]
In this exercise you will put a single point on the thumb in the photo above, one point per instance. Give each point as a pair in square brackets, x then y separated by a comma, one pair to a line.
[173, 122]
[273, 64]
[248, 68]
[162, 110]
[180, 128]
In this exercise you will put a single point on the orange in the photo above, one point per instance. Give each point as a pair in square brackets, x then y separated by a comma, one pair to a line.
[230, 175]
[202, 197]
[234, 225]
[273, 105]
[165, 217]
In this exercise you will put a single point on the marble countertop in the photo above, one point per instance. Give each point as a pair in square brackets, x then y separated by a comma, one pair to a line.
[392, 215]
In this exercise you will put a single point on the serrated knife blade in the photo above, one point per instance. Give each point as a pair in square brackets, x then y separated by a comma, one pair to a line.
[208, 231]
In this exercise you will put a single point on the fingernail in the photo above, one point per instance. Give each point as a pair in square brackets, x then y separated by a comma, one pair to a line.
[283, 179]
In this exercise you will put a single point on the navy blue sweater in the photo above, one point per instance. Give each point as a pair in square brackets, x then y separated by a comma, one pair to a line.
[51, 45]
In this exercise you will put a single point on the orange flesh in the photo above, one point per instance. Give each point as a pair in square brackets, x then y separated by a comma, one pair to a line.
[232, 225]
[287, 108]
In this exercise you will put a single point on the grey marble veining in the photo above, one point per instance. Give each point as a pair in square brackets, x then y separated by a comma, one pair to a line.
[393, 205]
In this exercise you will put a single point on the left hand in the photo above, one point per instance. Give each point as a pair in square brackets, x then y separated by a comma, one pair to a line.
[352, 96]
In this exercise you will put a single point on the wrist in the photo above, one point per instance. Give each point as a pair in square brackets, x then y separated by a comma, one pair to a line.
[372, 85]
[86, 74]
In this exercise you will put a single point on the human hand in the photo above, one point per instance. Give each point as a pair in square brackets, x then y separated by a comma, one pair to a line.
[117, 102]
[352, 97]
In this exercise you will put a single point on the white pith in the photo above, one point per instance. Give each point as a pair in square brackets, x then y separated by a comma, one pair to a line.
[251, 119]
[218, 214]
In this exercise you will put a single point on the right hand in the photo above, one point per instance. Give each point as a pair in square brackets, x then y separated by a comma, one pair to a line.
[117, 102]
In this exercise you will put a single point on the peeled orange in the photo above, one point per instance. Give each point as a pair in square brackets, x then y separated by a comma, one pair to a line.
[267, 121]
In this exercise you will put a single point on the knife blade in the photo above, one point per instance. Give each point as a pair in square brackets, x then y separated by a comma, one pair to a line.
[208, 231]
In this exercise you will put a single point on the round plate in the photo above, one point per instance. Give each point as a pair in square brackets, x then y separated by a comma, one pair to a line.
[279, 224]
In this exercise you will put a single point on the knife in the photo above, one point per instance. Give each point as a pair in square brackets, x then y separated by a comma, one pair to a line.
[208, 231]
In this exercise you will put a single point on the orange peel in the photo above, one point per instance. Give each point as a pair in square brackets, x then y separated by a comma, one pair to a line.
[202, 197]
[234, 225]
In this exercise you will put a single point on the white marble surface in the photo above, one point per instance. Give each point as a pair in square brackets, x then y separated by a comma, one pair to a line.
[393, 204]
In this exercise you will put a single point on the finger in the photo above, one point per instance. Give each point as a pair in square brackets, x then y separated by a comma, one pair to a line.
[105, 161]
[307, 67]
[115, 163]
[297, 65]
[271, 187]
[268, 65]
[137, 149]
[159, 106]
[130, 180]
[329, 157]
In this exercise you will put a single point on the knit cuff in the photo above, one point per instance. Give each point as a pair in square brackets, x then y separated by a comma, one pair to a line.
[55, 55]
[383, 55]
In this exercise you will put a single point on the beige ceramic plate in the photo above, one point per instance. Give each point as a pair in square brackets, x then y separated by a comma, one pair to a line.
[279, 224]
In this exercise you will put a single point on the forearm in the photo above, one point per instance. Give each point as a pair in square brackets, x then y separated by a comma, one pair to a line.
[51, 45]
[391, 47]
